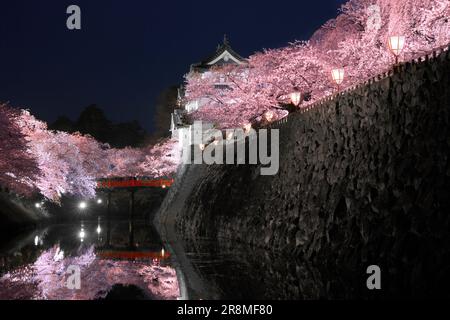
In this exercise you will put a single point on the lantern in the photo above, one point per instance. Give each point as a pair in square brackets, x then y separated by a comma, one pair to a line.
[269, 116]
[338, 76]
[295, 98]
[201, 146]
[396, 45]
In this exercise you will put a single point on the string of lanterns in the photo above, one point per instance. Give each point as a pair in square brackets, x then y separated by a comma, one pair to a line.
[396, 45]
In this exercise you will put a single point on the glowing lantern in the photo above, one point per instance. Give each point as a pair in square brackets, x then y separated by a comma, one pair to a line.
[99, 201]
[338, 76]
[247, 127]
[269, 116]
[396, 45]
[296, 98]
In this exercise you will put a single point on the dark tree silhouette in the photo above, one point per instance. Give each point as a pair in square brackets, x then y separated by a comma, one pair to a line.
[165, 104]
[94, 122]
[64, 124]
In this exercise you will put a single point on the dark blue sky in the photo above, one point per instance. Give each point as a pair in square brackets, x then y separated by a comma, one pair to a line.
[129, 51]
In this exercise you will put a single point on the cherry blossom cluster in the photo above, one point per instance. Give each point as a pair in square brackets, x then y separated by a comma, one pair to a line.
[356, 40]
[33, 158]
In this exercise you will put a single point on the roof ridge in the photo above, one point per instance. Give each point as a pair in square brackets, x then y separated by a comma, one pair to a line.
[225, 46]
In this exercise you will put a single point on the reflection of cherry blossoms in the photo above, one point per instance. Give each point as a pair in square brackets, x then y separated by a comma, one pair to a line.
[47, 279]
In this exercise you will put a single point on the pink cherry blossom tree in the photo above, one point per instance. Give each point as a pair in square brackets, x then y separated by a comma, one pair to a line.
[161, 160]
[124, 162]
[52, 180]
[262, 86]
[356, 41]
[155, 161]
[363, 52]
[56, 163]
[68, 163]
[18, 166]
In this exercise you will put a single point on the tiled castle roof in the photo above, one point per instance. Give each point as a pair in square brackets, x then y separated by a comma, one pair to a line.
[225, 46]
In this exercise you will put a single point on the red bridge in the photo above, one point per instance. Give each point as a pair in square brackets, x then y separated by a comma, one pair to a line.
[130, 183]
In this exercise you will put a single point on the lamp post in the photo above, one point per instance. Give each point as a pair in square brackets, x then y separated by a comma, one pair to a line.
[39, 205]
[396, 45]
[82, 205]
[296, 98]
[338, 76]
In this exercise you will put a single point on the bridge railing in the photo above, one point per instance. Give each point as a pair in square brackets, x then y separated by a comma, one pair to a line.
[134, 182]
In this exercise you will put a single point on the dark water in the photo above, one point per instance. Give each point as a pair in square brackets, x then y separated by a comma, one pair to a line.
[236, 271]
[129, 261]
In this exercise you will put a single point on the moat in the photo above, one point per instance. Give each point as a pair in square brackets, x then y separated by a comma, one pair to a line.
[123, 260]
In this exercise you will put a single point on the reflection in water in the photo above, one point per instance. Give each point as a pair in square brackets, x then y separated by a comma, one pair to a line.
[110, 254]
[82, 234]
[99, 228]
[47, 277]
[38, 269]
[236, 271]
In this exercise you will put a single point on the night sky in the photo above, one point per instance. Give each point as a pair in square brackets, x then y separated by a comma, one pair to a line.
[129, 51]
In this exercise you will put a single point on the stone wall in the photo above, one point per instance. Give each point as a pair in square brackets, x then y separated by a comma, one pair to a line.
[364, 179]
